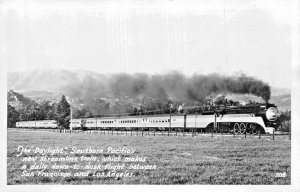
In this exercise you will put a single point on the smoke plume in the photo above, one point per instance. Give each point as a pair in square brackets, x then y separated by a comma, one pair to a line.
[175, 86]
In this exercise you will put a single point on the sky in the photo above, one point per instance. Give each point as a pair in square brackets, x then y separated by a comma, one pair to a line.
[228, 37]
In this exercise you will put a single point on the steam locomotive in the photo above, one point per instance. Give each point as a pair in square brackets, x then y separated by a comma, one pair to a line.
[250, 119]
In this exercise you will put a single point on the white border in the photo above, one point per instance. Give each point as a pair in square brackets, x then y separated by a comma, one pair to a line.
[295, 167]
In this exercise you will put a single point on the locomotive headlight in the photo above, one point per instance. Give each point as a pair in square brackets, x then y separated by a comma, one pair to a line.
[272, 114]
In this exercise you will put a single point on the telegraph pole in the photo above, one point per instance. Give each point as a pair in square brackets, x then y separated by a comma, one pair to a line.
[196, 121]
[71, 120]
[169, 124]
[96, 120]
[171, 106]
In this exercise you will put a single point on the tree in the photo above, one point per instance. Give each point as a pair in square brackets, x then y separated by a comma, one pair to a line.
[284, 121]
[23, 114]
[33, 112]
[12, 116]
[62, 113]
[51, 112]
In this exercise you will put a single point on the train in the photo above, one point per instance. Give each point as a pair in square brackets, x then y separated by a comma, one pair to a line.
[44, 124]
[232, 119]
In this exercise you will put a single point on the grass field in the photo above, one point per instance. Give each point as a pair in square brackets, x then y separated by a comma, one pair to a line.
[179, 160]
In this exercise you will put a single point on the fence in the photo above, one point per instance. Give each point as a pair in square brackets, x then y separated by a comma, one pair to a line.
[155, 132]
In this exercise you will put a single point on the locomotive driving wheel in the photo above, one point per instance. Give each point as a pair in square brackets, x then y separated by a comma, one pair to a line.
[254, 129]
[236, 128]
[248, 128]
[242, 128]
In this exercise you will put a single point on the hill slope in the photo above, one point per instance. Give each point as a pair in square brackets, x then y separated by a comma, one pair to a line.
[17, 100]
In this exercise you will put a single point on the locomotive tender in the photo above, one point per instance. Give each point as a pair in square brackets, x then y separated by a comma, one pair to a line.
[237, 120]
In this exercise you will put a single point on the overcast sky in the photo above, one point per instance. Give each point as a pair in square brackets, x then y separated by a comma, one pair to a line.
[224, 36]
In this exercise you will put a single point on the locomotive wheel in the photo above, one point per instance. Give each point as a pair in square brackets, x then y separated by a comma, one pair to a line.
[153, 129]
[242, 128]
[236, 128]
[254, 130]
[249, 128]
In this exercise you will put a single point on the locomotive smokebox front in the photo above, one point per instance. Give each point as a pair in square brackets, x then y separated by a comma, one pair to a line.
[272, 114]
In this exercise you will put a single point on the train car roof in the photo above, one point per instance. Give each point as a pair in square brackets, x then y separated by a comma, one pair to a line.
[35, 121]
[132, 117]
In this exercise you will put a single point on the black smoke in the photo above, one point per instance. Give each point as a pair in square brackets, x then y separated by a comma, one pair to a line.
[175, 86]
[249, 85]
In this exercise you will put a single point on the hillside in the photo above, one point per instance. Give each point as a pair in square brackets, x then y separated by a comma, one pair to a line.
[52, 83]
[280, 91]
[283, 102]
[18, 100]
